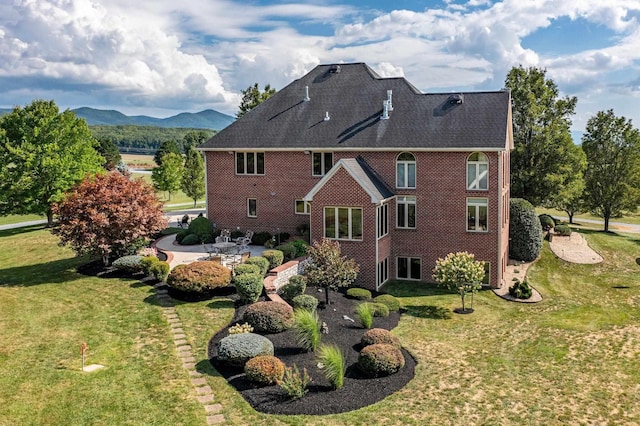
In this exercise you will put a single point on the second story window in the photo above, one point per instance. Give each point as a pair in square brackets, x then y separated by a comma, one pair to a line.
[478, 172]
[406, 170]
[250, 163]
[322, 163]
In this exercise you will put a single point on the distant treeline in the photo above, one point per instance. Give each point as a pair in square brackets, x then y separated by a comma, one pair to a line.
[143, 139]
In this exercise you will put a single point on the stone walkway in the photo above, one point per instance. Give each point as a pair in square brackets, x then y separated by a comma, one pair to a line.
[204, 393]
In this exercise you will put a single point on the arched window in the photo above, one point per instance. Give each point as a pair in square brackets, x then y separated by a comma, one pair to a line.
[406, 170]
[477, 172]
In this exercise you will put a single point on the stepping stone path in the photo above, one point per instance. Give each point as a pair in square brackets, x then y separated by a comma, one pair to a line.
[203, 390]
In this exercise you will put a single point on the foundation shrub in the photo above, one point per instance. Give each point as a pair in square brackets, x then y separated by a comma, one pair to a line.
[379, 309]
[237, 349]
[190, 240]
[520, 290]
[275, 257]
[269, 317]
[525, 232]
[546, 221]
[288, 250]
[259, 261]
[264, 370]
[390, 301]
[181, 234]
[295, 287]
[359, 293]
[249, 286]
[259, 238]
[306, 302]
[246, 268]
[563, 230]
[199, 277]
[379, 335]
[130, 264]
[380, 359]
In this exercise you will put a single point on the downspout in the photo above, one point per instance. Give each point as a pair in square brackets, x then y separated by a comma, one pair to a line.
[206, 186]
[500, 217]
[377, 250]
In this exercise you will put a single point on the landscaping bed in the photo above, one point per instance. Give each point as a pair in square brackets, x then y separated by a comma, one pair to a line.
[358, 391]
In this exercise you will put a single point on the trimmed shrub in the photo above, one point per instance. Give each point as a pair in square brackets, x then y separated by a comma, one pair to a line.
[386, 299]
[246, 268]
[525, 232]
[331, 357]
[306, 302]
[190, 240]
[259, 238]
[240, 328]
[131, 264]
[259, 261]
[269, 317]
[295, 383]
[160, 270]
[275, 257]
[147, 262]
[379, 309]
[520, 290]
[379, 335]
[181, 234]
[249, 287]
[306, 325]
[380, 359]
[359, 293]
[199, 277]
[288, 250]
[295, 287]
[364, 313]
[237, 349]
[562, 230]
[546, 221]
[202, 228]
[302, 247]
[264, 370]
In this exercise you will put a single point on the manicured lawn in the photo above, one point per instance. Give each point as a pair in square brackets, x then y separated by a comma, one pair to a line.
[629, 217]
[14, 218]
[570, 359]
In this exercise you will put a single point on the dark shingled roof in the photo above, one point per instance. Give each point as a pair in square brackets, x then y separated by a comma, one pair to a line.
[353, 98]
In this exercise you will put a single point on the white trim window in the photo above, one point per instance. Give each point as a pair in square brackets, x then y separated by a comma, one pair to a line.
[383, 271]
[477, 211]
[477, 172]
[249, 163]
[383, 220]
[303, 207]
[405, 212]
[343, 223]
[321, 163]
[252, 207]
[409, 268]
[406, 170]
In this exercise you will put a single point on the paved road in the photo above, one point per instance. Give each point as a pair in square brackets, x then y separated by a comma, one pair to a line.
[613, 226]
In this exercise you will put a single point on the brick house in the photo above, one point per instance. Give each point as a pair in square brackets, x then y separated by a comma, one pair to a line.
[399, 177]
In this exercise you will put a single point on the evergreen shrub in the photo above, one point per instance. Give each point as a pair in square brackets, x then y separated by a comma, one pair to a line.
[269, 317]
[264, 370]
[237, 349]
[249, 286]
[380, 359]
[525, 232]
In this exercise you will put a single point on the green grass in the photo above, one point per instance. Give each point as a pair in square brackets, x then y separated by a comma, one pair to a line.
[628, 217]
[570, 359]
[15, 218]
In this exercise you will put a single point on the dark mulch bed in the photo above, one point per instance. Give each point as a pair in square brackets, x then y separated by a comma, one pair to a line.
[358, 391]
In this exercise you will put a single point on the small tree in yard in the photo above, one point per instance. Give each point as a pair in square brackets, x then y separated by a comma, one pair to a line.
[459, 272]
[106, 214]
[328, 269]
[168, 176]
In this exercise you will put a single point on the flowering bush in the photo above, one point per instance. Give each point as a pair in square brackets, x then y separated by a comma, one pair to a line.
[459, 272]
[241, 328]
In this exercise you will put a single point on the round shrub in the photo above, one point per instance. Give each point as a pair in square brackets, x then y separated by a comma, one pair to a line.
[546, 221]
[237, 349]
[269, 317]
[181, 234]
[379, 335]
[259, 261]
[199, 277]
[379, 309]
[562, 230]
[359, 293]
[131, 264]
[380, 359]
[305, 301]
[288, 250]
[525, 232]
[301, 247]
[520, 290]
[147, 262]
[259, 238]
[386, 299]
[160, 270]
[190, 240]
[202, 228]
[249, 286]
[264, 370]
[246, 268]
[275, 257]
[295, 287]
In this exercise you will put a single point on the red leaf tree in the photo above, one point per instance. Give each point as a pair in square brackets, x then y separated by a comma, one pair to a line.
[105, 214]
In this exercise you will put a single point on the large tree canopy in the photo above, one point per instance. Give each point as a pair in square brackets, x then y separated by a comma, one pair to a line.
[106, 214]
[545, 162]
[252, 97]
[43, 153]
[168, 176]
[612, 146]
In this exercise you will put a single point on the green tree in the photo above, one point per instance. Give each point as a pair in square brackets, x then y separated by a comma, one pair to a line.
[194, 138]
[568, 197]
[43, 153]
[193, 176]
[168, 176]
[612, 146]
[544, 159]
[328, 268]
[252, 97]
[110, 152]
[166, 147]
[459, 272]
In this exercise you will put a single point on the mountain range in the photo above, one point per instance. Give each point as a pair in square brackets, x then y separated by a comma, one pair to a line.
[207, 119]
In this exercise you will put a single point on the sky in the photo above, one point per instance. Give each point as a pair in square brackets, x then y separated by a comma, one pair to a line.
[163, 57]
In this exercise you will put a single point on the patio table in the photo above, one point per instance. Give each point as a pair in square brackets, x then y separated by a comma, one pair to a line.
[224, 248]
